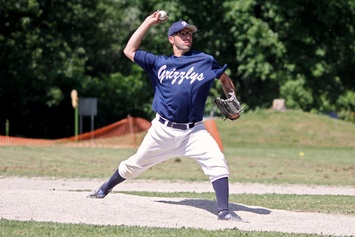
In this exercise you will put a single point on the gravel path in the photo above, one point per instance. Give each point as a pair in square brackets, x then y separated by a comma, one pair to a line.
[64, 201]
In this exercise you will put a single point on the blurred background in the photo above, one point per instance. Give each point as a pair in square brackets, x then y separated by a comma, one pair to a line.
[301, 51]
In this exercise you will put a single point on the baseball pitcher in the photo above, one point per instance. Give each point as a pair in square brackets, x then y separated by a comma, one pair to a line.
[181, 84]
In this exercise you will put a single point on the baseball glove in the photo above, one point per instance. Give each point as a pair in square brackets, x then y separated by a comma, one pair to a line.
[230, 107]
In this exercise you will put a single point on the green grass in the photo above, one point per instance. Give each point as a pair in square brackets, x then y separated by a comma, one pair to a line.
[261, 147]
[268, 128]
[318, 166]
[41, 229]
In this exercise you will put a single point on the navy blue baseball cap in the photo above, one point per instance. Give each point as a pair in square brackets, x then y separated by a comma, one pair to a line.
[177, 26]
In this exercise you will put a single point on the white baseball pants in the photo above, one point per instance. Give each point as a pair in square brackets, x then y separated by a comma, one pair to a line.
[162, 143]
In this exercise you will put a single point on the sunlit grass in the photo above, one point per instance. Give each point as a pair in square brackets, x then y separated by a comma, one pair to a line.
[262, 147]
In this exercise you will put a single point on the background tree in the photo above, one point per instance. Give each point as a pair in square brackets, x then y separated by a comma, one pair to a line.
[49, 48]
[301, 50]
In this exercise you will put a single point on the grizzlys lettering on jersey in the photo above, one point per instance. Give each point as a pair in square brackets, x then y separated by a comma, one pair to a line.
[174, 75]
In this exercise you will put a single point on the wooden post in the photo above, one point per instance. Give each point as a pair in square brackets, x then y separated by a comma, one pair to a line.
[74, 101]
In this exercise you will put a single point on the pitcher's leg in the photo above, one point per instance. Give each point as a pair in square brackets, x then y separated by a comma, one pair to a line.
[107, 186]
[221, 189]
[143, 160]
[158, 145]
[112, 182]
[204, 149]
[155, 148]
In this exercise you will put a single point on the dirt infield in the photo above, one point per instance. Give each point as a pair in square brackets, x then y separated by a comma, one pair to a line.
[65, 201]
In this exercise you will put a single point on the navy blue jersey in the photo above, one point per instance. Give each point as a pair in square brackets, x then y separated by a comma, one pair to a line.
[181, 84]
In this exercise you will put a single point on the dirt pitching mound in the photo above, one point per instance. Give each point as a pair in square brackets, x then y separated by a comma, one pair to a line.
[65, 201]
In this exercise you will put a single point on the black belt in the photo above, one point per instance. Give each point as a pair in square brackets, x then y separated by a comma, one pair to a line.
[181, 126]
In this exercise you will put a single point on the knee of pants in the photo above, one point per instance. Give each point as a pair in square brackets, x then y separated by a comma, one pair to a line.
[217, 170]
[217, 177]
[218, 174]
[129, 170]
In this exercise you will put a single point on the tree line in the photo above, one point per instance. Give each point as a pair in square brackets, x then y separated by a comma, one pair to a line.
[302, 51]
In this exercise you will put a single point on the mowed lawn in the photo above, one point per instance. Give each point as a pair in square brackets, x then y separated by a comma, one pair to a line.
[265, 146]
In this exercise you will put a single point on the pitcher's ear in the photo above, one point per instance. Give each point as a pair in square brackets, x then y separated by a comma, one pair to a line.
[171, 39]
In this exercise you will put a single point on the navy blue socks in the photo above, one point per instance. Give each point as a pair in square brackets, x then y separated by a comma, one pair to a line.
[221, 189]
[113, 181]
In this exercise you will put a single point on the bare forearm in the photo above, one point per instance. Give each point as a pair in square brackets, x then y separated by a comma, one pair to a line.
[135, 41]
[227, 84]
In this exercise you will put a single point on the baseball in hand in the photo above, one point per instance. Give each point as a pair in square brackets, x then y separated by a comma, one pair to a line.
[162, 15]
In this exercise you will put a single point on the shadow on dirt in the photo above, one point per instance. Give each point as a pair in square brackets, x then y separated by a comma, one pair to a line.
[210, 206]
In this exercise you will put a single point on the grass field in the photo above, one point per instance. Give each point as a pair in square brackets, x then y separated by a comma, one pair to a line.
[269, 147]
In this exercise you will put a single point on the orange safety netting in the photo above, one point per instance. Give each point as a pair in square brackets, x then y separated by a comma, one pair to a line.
[124, 133]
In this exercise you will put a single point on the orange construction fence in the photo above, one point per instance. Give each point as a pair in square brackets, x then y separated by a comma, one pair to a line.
[124, 133]
[126, 127]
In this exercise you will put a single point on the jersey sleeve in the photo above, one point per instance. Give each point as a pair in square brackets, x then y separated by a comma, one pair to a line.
[218, 70]
[145, 60]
